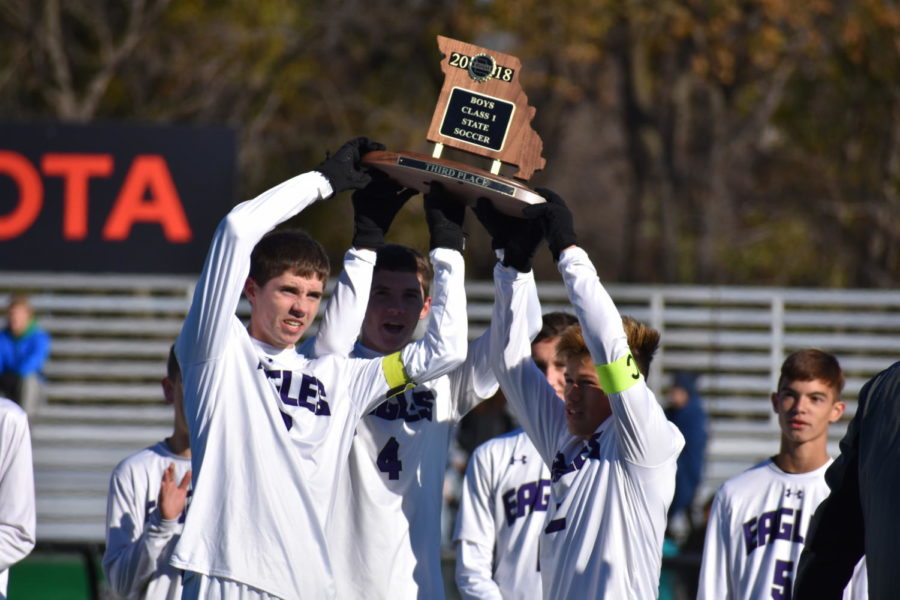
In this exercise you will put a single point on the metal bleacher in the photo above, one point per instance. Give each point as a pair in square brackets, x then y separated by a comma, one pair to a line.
[111, 334]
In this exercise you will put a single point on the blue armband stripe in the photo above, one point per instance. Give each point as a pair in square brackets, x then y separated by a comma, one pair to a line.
[620, 375]
[395, 374]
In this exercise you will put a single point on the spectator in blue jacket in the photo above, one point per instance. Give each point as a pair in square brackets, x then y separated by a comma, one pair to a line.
[24, 347]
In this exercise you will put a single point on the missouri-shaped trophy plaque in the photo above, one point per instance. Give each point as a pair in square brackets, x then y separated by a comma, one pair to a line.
[481, 110]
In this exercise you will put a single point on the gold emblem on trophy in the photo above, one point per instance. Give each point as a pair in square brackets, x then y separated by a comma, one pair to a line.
[481, 110]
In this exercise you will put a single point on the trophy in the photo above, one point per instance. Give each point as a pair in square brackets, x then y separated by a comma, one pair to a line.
[481, 110]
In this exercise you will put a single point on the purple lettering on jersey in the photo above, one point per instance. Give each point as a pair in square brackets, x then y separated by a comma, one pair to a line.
[780, 524]
[529, 497]
[590, 451]
[768, 523]
[798, 523]
[309, 394]
[410, 406]
[509, 506]
[560, 467]
[555, 525]
[785, 527]
[288, 421]
[542, 502]
[525, 497]
[750, 535]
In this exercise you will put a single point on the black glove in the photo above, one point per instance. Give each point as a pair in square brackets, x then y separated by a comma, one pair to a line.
[519, 238]
[445, 217]
[374, 209]
[342, 169]
[556, 220]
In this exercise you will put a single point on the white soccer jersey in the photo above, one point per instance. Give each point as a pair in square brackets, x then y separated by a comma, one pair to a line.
[139, 541]
[270, 429]
[502, 510]
[387, 526]
[17, 521]
[605, 525]
[757, 526]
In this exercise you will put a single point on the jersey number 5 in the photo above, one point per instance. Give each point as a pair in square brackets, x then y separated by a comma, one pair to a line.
[782, 583]
[387, 461]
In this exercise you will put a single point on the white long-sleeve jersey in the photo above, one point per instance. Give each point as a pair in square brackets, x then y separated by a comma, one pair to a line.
[271, 429]
[386, 528]
[17, 512]
[502, 510]
[139, 541]
[605, 525]
[757, 527]
[387, 523]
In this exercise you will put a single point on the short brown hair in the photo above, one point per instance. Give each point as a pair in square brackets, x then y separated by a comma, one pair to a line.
[288, 250]
[20, 299]
[809, 364]
[173, 371]
[642, 340]
[553, 324]
[394, 257]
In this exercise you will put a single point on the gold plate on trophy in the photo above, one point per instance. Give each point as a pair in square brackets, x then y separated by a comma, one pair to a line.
[461, 181]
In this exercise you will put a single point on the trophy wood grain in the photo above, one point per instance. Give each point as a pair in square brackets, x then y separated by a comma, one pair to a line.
[467, 183]
[522, 146]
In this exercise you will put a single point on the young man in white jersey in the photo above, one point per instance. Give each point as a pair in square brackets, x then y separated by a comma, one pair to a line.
[148, 497]
[759, 519]
[610, 449]
[505, 497]
[387, 519]
[271, 429]
[17, 508]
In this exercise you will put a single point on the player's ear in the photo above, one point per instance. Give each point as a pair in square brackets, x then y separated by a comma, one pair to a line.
[837, 411]
[168, 390]
[775, 402]
[426, 308]
[250, 289]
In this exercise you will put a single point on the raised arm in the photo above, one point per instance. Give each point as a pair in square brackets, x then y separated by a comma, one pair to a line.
[374, 209]
[645, 435]
[17, 517]
[476, 531]
[515, 321]
[443, 347]
[228, 261]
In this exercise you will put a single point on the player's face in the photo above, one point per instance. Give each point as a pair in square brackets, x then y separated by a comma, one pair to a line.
[283, 308]
[544, 355]
[805, 409]
[396, 305]
[587, 406]
[18, 317]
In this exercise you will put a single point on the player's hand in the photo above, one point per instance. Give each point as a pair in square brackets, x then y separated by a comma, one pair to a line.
[556, 221]
[519, 238]
[343, 170]
[374, 209]
[445, 218]
[172, 495]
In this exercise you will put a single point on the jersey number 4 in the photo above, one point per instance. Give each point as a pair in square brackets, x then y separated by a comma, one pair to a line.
[388, 462]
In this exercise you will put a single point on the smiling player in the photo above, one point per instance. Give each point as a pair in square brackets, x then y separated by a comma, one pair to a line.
[759, 519]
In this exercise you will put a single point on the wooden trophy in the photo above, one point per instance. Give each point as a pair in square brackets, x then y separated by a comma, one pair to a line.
[482, 110]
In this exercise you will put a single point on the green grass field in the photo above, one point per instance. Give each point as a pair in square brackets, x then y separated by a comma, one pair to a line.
[50, 576]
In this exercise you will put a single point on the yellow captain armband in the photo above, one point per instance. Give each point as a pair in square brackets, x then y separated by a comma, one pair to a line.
[618, 376]
[395, 374]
